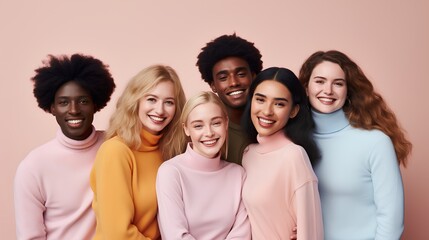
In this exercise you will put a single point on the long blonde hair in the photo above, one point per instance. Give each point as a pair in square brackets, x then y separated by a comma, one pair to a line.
[125, 121]
[202, 98]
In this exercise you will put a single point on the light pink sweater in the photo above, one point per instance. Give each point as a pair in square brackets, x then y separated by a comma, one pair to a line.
[52, 194]
[280, 191]
[200, 198]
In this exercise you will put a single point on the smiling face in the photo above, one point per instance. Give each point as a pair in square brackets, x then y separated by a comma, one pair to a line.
[74, 110]
[271, 107]
[231, 81]
[157, 107]
[207, 127]
[327, 87]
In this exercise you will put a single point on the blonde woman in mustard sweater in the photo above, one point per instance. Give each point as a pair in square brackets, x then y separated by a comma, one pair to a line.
[140, 136]
[280, 191]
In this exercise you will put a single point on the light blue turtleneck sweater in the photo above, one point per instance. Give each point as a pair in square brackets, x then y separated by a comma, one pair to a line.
[360, 182]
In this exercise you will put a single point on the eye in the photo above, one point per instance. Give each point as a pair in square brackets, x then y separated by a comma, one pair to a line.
[169, 103]
[242, 74]
[339, 83]
[217, 123]
[198, 126]
[222, 77]
[280, 104]
[84, 101]
[259, 100]
[151, 100]
[62, 102]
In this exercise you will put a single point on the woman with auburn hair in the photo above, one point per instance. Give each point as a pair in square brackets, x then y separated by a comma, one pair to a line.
[143, 132]
[362, 146]
[199, 193]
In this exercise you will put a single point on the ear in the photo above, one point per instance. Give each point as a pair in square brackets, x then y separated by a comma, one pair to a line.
[294, 111]
[53, 109]
[185, 129]
[212, 86]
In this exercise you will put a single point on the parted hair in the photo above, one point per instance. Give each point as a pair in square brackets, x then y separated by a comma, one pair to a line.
[202, 98]
[125, 121]
[298, 129]
[88, 72]
[227, 46]
[365, 108]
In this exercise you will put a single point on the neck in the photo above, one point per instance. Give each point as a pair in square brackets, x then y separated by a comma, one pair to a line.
[235, 114]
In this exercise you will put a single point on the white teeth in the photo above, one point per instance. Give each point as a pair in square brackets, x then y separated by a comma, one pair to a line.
[74, 121]
[326, 99]
[266, 120]
[235, 92]
[158, 119]
[209, 142]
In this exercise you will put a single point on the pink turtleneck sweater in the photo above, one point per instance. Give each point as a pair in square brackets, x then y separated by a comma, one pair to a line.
[52, 193]
[280, 191]
[200, 198]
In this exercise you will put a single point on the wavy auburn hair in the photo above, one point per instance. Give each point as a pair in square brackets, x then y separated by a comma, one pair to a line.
[366, 108]
[125, 121]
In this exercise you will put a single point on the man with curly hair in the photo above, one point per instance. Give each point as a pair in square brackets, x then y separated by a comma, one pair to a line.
[51, 190]
[228, 64]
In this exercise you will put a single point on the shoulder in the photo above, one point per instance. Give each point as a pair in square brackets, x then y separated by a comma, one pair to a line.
[114, 144]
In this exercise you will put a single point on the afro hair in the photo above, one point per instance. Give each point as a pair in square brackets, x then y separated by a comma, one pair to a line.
[89, 72]
[227, 46]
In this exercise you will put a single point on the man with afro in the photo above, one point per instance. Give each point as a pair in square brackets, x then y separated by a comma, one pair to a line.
[51, 189]
[228, 64]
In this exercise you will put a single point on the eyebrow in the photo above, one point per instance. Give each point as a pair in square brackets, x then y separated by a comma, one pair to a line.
[277, 99]
[199, 120]
[335, 79]
[156, 96]
[237, 69]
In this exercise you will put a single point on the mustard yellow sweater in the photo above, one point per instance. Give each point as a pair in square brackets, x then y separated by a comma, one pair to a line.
[123, 182]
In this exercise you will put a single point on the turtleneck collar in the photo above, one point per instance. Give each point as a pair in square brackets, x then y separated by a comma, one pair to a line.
[199, 162]
[330, 122]
[78, 144]
[150, 142]
[272, 142]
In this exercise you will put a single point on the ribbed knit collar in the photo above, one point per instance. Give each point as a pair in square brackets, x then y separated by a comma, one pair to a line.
[271, 143]
[150, 142]
[330, 122]
[198, 162]
[78, 144]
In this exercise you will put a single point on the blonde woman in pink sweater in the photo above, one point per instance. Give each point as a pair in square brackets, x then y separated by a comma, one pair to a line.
[198, 192]
[280, 191]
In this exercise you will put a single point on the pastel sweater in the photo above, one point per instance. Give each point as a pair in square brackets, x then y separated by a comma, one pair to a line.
[359, 181]
[200, 198]
[123, 181]
[52, 193]
[280, 191]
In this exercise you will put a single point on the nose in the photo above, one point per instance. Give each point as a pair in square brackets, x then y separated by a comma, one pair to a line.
[234, 81]
[209, 131]
[74, 107]
[327, 89]
[159, 108]
[267, 109]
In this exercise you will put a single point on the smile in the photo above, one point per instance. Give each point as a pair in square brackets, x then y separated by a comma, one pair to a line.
[157, 119]
[235, 93]
[266, 121]
[210, 142]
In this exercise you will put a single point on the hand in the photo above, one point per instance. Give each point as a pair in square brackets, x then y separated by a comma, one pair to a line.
[294, 231]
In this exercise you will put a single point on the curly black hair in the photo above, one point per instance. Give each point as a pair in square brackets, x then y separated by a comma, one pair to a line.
[227, 46]
[87, 71]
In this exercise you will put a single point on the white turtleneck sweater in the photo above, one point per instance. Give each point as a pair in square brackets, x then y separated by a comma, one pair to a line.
[200, 198]
[52, 193]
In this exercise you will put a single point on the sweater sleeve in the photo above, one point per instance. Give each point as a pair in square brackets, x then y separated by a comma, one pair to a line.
[388, 190]
[111, 181]
[29, 204]
[241, 228]
[308, 212]
[172, 220]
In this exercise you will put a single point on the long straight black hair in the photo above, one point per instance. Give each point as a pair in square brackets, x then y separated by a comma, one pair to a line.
[298, 129]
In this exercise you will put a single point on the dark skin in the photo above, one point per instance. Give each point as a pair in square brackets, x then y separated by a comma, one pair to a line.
[74, 111]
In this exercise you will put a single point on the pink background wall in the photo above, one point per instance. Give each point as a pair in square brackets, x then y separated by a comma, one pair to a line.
[387, 38]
